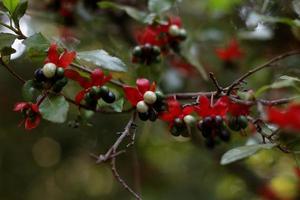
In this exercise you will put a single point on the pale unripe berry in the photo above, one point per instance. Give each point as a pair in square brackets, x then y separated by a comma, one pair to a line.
[189, 120]
[49, 70]
[174, 30]
[142, 107]
[182, 33]
[150, 97]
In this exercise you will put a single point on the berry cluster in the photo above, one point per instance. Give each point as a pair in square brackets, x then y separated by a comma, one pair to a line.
[50, 77]
[146, 54]
[93, 87]
[150, 106]
[238, 123]
[180, 126]
[176, 36]
[95, 93]
[213, 128]
[157, 39]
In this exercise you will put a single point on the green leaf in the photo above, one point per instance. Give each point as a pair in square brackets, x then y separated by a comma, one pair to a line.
[7, 51]
[159, 6]
[283, 82]
[36, 45]
[10, 5]
[102, 59]
[19, 12]
[55, 109]
[132, 12]
[6, 40]
[294, 79]
[29, 91]
[243, 152]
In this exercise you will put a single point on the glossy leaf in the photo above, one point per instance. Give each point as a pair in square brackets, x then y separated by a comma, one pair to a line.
[6, 40]
[243, 152]
[10, 5]
[102, 59]
[29, 91]
[54, 109]
[132, 12]
[36, 45]
[19, 12]
[159, 6]
[283, 82]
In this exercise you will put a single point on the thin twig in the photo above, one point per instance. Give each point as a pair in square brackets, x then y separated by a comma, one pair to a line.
[260, 67]
[216, 83]
[264, 102]
[12, 72]
[259, 130]
[112, 153]
[17, 31]
[120, 180]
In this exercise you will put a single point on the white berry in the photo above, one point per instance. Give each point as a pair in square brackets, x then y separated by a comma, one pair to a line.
[150, 97]
[182, 32]
[49, 70]
[142, 107]
[189, 119]
[174, 30]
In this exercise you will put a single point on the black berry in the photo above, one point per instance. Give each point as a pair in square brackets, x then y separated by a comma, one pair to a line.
[103, 91]
[137, 51]
[218, 120]
[152, 115]
[143, 116]
[109, 97]
[59, 85]
[234, 124]
[243, 122]
[39, 75]
[224, 135]
[175, 131]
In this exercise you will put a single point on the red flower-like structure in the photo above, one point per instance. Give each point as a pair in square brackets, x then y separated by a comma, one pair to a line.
[136, 94]
[60, 60]
[206, 108]
[231, 52]
[158, 34]
[175, 110]
[31, 114]
[285, 118]
[97, 78]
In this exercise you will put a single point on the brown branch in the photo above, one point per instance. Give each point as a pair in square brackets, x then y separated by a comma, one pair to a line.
[112, 153]
[17, 31]
[11, 71]
[256, 123]
[264, 102]
[120, 180]
[216, 83]
[189, 95]
[258, 68]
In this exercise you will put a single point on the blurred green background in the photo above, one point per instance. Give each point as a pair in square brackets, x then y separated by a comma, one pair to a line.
[52, 162]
